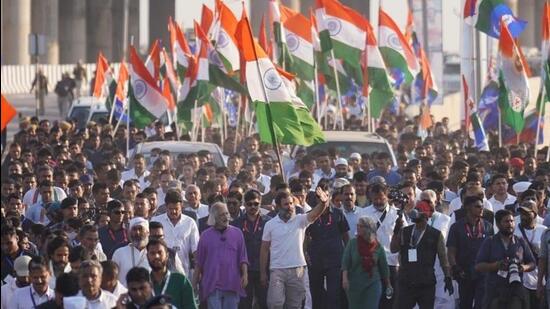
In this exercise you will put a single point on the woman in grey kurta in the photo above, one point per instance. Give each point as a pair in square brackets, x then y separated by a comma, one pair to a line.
[364, 267]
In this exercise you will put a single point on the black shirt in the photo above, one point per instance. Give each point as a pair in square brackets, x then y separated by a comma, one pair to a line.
[467, 240]
[326, 243]
[252, 232]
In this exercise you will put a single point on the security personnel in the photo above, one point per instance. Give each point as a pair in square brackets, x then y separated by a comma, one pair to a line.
[418, 245]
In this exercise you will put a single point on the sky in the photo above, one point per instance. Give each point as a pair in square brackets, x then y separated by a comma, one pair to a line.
[451, 9]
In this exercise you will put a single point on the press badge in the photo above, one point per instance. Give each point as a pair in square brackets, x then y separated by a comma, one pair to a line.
[412, 255]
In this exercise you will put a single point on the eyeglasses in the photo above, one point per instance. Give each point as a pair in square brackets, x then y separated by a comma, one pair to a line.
[255, 204]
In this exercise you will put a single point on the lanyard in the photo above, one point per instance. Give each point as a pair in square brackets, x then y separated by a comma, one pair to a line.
[166, 279]
[256, 224]
[479, 232]
[382, 217]
[419, 237]
[112, 235]
[32, 297]
[329, 220]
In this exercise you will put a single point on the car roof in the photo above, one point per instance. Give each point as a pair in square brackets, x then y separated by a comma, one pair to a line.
[95, 103]
[352, 136]
[177, 147]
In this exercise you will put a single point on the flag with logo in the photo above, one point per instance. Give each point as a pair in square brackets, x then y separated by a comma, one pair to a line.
[297, 29]
[396, 51]
[225, 43]
[146, 101]
[514, 85]
[486, 16]
[281, 115]
[346, 29]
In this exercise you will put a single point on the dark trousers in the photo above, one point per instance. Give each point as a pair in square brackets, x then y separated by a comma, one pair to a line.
[506, 298]
[470, 290]
[409, 296]
[254, 290]
[331, 296]
[388, 303]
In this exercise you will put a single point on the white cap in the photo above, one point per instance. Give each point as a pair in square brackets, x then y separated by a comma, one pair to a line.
[520, 187]
[355, 155]
[341, 161]
[340, 182]
[139, 221]
[21, 265]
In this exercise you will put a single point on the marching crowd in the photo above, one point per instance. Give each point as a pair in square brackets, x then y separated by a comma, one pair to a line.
[447, 227]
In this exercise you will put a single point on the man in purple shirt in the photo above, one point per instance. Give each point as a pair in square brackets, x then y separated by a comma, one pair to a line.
[222, 263]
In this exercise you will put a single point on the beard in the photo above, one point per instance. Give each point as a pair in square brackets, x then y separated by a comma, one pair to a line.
[285, 214]
[158, 266]
[140, 242]
[506, 232]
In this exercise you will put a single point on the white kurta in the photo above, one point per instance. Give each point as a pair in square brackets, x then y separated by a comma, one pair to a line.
[128, 257]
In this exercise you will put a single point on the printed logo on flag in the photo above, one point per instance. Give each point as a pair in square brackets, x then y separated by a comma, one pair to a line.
[507, 19]
[394, 42]
[140, 89]
[516, 103]
[334, 26]
[271, 79]
[214, 58]
[223, 39]
[292, 42]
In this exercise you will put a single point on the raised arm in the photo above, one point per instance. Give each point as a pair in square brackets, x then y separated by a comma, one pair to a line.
[323, 198]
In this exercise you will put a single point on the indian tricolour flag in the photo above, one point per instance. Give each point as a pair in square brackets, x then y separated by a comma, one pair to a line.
[147, 103]
[278, 110]
[180, 49]
[297, 31]
[346, 28]
[152, 63]
[377, 79]
[225, 42]
[396, 51]
[514, 90]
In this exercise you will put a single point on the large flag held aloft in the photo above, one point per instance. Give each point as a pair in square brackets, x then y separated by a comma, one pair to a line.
[514, 85]
[486, 16]
[397, 52]
[147, 103]
[280, 114]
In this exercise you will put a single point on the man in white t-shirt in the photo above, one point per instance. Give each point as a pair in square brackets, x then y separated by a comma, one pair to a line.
[501, 197]
[282, 243]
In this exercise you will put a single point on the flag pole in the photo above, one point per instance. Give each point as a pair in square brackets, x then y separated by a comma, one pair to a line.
[339, 109]
[268, 108]
[194, 129]
[128, 113]
[316, 85]
[539, 111]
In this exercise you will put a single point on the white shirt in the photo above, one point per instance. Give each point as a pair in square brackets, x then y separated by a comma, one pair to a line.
[319, 172]
[131, 174]
[51, 283]
[497, 205]
[456, 204]
[7, 291]
[385, 231]
[440, 222]
[119, 290]
[183, 237]
[37, 214]
[533, 237]
[287, 240]
[128, 257]
[265, 181]
[352, 217]
[23, 298]
[33, 197]
[201, 211]
[105, 300]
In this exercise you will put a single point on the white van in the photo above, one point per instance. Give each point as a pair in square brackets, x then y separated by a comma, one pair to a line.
[86, 109]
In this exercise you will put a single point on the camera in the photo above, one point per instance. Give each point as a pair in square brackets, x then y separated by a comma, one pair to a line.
[513, 272]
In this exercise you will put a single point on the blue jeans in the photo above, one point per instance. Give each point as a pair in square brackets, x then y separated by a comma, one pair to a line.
[223, 300]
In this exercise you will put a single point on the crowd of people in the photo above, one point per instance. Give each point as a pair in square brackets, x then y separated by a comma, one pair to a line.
[447, 226]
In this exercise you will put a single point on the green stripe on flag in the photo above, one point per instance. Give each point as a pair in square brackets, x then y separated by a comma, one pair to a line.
[350, 55]
[285, 122]
[326, 43]
[394, 59]
[512, 118]
[140, 116]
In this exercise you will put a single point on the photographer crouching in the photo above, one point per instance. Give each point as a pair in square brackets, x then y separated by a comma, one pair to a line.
[505, 257]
